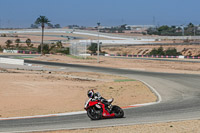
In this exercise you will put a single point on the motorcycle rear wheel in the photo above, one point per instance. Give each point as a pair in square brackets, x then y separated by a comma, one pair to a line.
[119, 113]
[94, 114]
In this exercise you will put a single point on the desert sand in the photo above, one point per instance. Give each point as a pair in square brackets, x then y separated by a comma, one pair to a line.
[58, 92]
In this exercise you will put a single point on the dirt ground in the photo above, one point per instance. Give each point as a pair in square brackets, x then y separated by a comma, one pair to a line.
[19, 88]
[44, 97]
[186, 50]
[57, 92]
[133, 64]
[189, 126]
[36, 38]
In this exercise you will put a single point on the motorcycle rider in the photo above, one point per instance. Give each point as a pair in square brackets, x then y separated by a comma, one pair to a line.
[97, 96]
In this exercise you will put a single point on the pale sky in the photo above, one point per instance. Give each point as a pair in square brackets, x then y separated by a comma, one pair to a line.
[22, 13]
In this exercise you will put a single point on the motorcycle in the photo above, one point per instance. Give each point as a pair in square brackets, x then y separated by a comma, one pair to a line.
[96, 110]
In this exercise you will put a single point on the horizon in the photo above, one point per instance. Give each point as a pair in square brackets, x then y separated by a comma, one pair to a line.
[23, 13]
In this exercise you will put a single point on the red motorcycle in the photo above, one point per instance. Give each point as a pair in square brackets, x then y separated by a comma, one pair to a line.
[96, 110]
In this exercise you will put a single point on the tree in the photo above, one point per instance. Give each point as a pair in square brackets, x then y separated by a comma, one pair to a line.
[152, 31]
[123, 27]
[17, 41]
[190, 25]
[172, 52]
[57, 26]
[160, 51]
[1, 49]
[42, 20]
[8, 43]
[153, 52]
[28, 42]
[34, 26]
[59, 44]
[46, 48]
[93, 48]
[50, 25]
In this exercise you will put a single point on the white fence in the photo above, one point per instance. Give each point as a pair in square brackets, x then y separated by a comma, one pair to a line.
[79, 49]
[12, 61]
[10, 51]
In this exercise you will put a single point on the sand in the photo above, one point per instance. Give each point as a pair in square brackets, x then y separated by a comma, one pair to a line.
[58, 92]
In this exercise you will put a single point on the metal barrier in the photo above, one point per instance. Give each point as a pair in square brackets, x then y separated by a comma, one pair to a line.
[155, 56]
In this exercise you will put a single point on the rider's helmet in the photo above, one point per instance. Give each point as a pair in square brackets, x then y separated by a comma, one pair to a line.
[90, 93]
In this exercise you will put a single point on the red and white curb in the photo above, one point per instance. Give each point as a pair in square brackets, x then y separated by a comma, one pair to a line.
[83, 112]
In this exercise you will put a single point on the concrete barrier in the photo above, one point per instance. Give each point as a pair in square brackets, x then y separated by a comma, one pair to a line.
[181, 57]
[10, 51]
[157, 56]
[12, 61]
[85, 54]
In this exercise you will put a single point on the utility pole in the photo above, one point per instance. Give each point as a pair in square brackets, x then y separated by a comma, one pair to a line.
[98, 24]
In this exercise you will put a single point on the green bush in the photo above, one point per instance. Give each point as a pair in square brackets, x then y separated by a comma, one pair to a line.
[8, 44]
[1, 49]
[45, 49]
[93, 48]
[160, 51]
[51, 48]
[63, 50]
[172, 52]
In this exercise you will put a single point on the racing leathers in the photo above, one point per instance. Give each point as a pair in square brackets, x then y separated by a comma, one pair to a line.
[98, 97]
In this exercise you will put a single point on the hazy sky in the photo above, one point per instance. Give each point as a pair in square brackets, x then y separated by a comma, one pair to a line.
[21, 13]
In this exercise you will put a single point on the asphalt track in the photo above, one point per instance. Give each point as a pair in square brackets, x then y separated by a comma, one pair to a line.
[133, 58]
[180, 101]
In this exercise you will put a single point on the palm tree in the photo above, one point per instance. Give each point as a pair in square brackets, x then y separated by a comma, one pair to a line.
[42, 20]
[17, 41]
[28, 42]
[8, 43]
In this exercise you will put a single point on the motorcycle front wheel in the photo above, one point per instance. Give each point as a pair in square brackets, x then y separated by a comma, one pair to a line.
[94, 114]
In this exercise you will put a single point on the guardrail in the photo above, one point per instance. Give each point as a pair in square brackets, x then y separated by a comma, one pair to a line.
[27, 52]
[155, 56]
[20, 51]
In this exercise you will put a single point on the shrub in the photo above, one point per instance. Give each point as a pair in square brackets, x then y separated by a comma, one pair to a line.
[93, 48]
[153, 52]
[160, 51]
[172, 52]
[8, 43]
[3, 35]
[63, 50]
[28, 43]
[1, 49]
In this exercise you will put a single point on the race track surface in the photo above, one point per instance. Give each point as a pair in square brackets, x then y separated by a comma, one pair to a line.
[180, 101]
